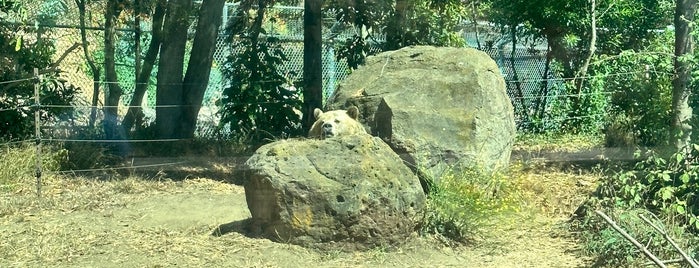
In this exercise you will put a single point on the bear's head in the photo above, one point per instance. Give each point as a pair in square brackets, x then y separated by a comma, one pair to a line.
[335, 123]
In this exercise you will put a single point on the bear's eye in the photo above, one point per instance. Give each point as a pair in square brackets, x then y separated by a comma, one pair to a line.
[337, 120]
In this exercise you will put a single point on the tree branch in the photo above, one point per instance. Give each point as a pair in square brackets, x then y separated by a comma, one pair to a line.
[64, 55]
[631, 239]
[689, 260]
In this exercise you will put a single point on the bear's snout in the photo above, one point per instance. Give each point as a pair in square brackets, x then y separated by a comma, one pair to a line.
[327, 130]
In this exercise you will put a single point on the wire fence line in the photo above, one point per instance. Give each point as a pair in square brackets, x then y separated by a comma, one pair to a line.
[16, 81]
[212, 109]
[16, 108]
[131, 167]
[40, 138]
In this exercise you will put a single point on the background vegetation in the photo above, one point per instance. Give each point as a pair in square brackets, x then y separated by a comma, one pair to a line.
[614, 71]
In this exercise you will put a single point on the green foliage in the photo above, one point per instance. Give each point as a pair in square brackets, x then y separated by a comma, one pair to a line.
[664, 186]
[460, 202]
[259, 101]
[587, 111]
[19, 58]
[640, 87]
[52, 10]
[404, 23]
[566, 25]
[669, 186]
[611, 249]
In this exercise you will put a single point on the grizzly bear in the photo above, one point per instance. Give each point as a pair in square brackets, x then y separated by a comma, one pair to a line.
[335, 123]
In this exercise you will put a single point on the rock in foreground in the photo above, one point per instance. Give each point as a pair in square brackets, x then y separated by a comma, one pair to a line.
[349, 192]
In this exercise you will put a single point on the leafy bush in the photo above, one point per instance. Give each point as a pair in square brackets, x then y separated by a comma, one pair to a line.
[669, 186]
[460, 202]
[611, 249]
[587, 111]
[664, 186]
[22, 52]
[259, 101]
[640, 87]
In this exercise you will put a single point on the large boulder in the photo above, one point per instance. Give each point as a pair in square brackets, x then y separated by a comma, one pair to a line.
[436, 107]
[347, 192]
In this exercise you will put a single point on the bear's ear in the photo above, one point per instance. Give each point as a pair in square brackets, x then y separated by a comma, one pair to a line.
[353, 112]
[317, 112]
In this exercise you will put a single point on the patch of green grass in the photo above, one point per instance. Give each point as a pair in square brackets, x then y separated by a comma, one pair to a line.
[460, 202]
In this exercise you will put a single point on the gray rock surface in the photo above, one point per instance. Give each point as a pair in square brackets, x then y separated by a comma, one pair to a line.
[435, 107]
[348, 192]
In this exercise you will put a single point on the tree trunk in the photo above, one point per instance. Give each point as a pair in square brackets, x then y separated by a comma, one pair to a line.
[684, 45]
[170, 69]
[544, 92]
[238, 23]
[90, 62]
[580, 76]
[515, 76]
[114, 91]
[135, 112]
[312, 63]
[197, 77]
[396, 37]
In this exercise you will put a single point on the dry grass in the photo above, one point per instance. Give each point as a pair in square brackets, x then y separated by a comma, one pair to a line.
[158, 222]
[552, 191]
[558, 143]
[81, 217]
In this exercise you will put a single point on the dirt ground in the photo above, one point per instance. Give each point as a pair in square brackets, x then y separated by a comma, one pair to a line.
[157, 222]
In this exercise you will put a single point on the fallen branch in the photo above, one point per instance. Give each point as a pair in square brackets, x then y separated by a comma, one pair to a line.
[631, 239]
[686, 257]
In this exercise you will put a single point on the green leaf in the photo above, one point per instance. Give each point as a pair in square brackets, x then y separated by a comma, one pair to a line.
[679, 157]
[684, 178]
[665, 176]
[680, 209]
[18, 43]
[666, 193]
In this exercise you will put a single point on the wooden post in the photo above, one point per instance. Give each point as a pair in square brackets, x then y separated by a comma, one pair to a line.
[37, 129]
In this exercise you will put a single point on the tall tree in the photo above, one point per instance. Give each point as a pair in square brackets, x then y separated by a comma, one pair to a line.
[199, 68]
[134, 114]
[681, 91]
[96, 71]
[179, 95]
[169, 95]
[312, 61]
[113, 93]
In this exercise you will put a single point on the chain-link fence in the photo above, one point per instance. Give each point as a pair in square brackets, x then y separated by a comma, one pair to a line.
[530, 88]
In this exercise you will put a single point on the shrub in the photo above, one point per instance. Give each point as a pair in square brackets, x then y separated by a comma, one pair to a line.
[460, 202]
[259, 101]
[611, 249]
[664, 186]
[669, 186]
[639, 84]
[22, 52]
